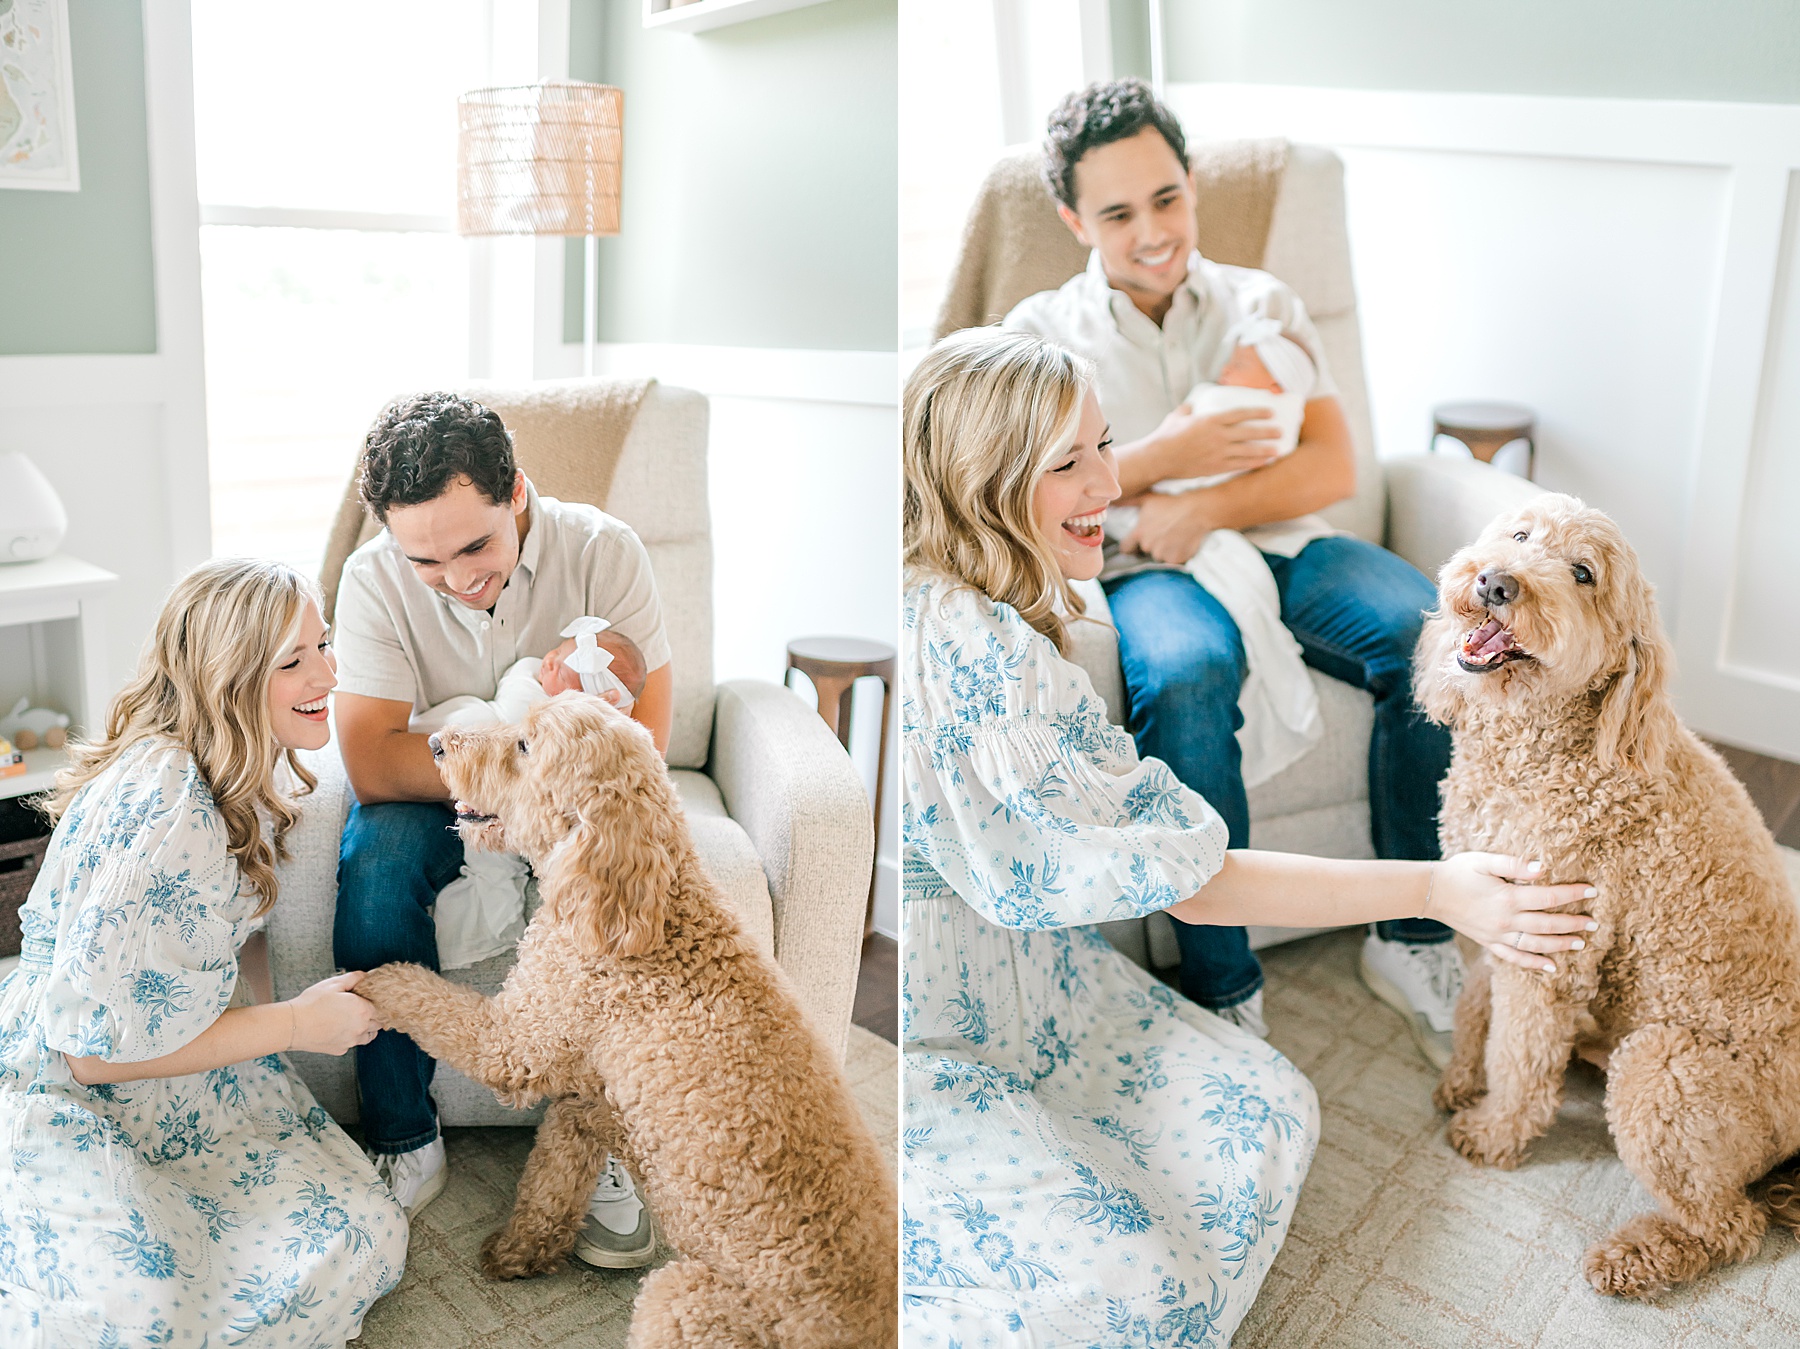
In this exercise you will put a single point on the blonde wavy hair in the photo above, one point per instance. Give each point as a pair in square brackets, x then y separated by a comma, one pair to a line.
[203, 684]
[987, 413]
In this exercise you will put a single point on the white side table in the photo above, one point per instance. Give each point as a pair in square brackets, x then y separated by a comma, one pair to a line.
[52, 648]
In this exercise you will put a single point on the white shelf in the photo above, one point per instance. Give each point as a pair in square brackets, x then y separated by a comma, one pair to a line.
[41, 768]
[705, 14]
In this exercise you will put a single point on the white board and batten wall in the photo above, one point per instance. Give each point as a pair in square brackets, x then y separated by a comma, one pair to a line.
[1630, 269]
[803, 467]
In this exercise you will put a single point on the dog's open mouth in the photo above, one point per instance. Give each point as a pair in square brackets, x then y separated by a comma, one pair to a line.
[467, 814]
[1488, 647]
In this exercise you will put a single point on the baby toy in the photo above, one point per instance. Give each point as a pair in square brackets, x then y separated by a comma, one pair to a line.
[12, 763]
[28, 726]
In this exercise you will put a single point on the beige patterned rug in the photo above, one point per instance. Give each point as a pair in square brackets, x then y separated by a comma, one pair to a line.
[1399, 1241]
[444, 1303]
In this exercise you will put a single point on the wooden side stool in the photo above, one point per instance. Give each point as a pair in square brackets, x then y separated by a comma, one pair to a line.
[1486, 427]
[834, 664]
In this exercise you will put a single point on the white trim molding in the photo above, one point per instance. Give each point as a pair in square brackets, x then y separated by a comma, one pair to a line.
[1748, 360]
[867, 378]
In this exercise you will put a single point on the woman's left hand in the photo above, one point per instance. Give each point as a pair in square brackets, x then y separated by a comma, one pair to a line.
[1496, 901]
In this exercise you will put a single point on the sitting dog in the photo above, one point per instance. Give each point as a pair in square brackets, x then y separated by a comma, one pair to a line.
[659, 1032]
[1547, 659]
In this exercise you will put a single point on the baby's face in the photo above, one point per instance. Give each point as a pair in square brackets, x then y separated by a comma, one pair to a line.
[627, 660]
[1246, 370]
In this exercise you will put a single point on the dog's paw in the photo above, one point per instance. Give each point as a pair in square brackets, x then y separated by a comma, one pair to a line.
[1485, 1141]
[1645, 1257]
[504, 1257]
[1458, 1091]
[392, 988]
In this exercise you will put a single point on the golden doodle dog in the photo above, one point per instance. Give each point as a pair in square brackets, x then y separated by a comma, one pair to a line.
[1547, 659]
[659, 1032]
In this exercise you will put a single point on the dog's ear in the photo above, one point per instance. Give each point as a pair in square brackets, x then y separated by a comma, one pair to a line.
[611, 879]
[1636, 726]
[1439, 697]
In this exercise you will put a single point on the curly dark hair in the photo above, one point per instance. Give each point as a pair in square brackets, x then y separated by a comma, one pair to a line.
[1099, 115]
[423, 443]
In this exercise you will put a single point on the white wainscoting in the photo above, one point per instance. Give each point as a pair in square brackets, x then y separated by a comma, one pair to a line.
[123, 438]
[1626, 268]
[804, 464]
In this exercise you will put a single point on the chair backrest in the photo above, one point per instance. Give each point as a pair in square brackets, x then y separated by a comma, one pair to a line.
[658, 487]
[1015, 245]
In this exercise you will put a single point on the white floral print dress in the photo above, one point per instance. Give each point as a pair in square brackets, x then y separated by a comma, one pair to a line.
[1089, 1158]
[223, 1208]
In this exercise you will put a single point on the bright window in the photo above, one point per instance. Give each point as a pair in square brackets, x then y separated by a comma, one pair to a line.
[330, 279]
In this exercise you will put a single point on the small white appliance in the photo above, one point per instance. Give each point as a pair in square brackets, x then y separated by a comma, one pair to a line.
[32, 518]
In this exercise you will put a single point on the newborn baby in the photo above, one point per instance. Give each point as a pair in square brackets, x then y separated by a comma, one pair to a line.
[482, 912]
[1265, 370]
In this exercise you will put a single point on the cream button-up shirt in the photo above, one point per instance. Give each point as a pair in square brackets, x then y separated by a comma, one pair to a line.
[398, 639]
[1144, 371]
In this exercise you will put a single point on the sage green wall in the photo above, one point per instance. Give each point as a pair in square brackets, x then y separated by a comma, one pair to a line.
[1741, 51]
[77, 277]
[761, 169]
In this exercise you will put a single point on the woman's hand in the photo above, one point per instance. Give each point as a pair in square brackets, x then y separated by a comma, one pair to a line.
[1491, 899]
[1232, 441]
[329, 1018]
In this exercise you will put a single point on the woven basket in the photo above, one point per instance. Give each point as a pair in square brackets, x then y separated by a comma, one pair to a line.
[19, 863]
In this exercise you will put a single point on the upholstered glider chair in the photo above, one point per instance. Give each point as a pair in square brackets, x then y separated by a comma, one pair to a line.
[1280, 207]
[775, 806]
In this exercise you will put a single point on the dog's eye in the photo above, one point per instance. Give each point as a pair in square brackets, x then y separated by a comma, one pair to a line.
[1583, 576]
[1521, 536]
[524, 748]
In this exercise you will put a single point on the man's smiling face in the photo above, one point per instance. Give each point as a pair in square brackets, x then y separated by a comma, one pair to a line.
[460, 543]
[1134, 202]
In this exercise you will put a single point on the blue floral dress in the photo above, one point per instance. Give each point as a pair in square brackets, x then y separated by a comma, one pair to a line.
[223, 1208]
[1090, 1159]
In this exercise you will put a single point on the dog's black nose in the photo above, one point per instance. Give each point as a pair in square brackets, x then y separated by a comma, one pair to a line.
[437, 746]
[1495, 588]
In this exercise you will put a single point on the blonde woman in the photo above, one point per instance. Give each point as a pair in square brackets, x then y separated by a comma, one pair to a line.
[1090, 1158]
[164, 1179]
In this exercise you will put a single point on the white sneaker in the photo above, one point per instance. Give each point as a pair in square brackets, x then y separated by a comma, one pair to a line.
[618, 1233]
[415, 1177]
[1422, 983]
[1246, 1015]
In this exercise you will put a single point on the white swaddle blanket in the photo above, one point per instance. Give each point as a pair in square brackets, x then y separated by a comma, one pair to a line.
[1278, 701]
[482, 912]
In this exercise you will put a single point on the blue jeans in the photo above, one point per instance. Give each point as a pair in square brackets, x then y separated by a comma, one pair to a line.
[1356, 610]
[393, 860]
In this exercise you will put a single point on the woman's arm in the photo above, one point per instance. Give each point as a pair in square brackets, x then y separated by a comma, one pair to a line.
[326, 1019]
[1474, 893]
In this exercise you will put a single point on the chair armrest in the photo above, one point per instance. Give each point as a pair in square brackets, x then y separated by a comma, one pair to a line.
[1436, 503]
[788, 782]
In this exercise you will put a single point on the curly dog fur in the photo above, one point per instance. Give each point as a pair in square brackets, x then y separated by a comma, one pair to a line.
[661, 1034]
[1548, 661]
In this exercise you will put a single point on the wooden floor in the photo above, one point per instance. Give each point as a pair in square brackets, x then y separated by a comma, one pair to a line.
[1774, 784]
[877, 1007]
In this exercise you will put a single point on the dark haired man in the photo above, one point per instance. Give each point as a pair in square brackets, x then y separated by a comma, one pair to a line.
[1155, 316]
[474, 571]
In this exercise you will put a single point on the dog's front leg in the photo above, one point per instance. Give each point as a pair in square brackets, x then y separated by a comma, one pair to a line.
[1531, 1032]
[1465, 1078]
[551, 1203]
[453, 1023]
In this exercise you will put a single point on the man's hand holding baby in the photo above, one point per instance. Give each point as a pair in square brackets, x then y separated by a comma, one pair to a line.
[1192, 445]
[1170, 528]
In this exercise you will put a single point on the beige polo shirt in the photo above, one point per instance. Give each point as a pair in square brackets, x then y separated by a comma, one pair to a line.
[398, 639]
[1144, 371]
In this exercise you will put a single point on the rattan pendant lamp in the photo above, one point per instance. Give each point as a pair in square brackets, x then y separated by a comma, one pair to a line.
[543, 159]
